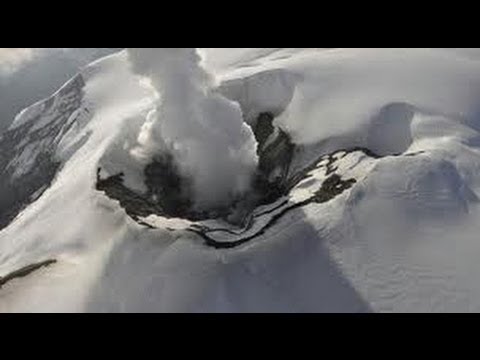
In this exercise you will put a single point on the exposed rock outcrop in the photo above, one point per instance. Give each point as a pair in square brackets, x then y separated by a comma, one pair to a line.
[27, 161]
[25, 271]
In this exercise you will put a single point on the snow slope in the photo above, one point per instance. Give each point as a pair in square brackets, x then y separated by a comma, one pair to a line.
[401, 236]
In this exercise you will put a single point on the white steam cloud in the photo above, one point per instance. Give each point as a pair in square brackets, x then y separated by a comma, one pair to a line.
[203, 130]
[12, 59]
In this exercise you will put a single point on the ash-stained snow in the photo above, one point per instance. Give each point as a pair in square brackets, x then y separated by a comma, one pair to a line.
[383, 216]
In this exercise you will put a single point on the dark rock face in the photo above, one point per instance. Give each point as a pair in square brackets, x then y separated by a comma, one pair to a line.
[263, 129]
[40, 143]
[134, 204]
[275, 153]
[16, 196]
[25, 271]
[332, 187]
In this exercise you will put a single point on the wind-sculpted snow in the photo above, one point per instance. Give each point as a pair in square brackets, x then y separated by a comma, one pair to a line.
[266, 92]
[365, 196]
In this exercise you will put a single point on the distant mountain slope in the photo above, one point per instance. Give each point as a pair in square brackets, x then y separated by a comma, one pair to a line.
[40, 76]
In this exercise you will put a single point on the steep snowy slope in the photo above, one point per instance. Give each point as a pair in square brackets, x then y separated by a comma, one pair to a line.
[367, 198]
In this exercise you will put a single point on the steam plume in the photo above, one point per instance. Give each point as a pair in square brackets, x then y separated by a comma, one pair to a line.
[203, 130]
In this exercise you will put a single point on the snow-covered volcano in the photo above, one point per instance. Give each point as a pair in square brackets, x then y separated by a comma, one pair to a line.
[365, 196]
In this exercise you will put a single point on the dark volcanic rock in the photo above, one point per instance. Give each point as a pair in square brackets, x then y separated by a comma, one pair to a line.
[332, 187]
[25, 271]
[263, 129]
[134, 204]
[275, 153]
